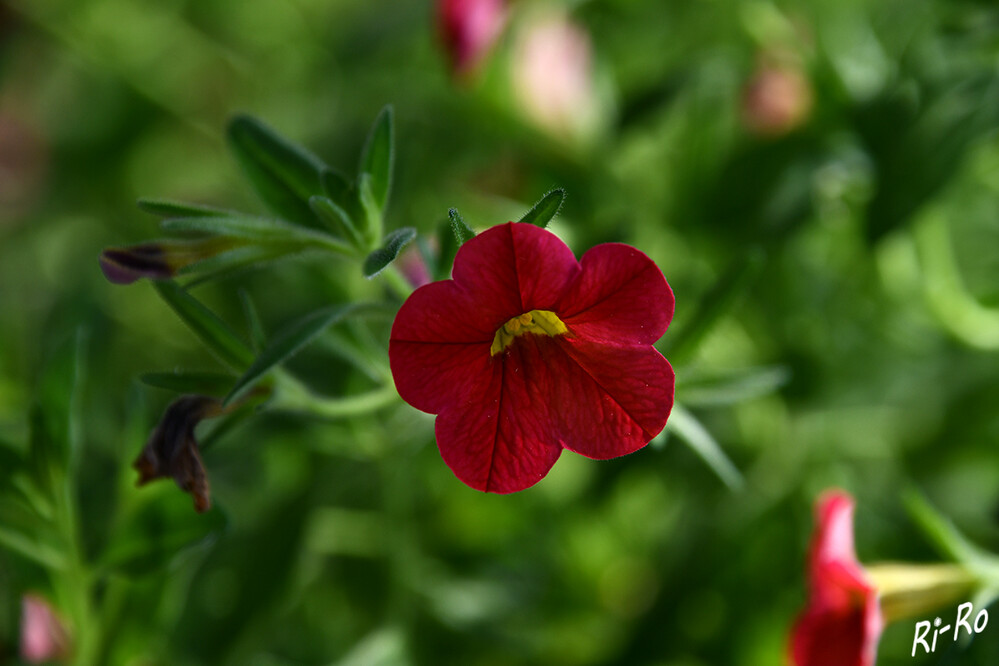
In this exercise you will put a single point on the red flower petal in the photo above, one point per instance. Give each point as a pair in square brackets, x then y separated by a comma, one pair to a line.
[503, 439]
[620, 295]
[842, 623]
[609, 400]
[521, 266]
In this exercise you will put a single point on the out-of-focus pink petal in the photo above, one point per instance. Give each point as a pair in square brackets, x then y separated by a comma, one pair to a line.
[619, 296]
[43, 637]
[469, 28]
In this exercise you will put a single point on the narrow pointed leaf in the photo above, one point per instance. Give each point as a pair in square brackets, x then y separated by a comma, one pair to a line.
[732, 386]
[255, 229]
[54, 420]
[289, 341]
[343, 193]
[690, 430]
[205, 383]
[545, 210]
[284, 174]
[942, 533]
[253, 324]
[336, 218]
[372, 220]
[167, 208]
[378, 156]
[385, 255]
[214, 332]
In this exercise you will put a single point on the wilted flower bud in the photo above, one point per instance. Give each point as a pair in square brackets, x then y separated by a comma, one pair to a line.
[172, 450]
[43, 637]
[160, 260]
[469, 28]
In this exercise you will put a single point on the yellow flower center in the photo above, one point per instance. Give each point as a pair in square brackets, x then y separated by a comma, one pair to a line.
[539, 322]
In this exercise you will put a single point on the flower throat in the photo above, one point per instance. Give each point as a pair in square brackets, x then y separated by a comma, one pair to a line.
[539, 322]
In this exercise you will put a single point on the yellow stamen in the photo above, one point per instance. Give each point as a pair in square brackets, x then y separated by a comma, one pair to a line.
[539, 322]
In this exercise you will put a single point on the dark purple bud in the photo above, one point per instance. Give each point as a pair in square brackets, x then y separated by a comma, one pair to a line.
[125, 265]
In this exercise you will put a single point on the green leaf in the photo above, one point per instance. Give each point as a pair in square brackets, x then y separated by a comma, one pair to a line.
[732, 386]
[167, 208]
[255, 229]
[336, 218]
[944, 535]
[546, 209]
[284, 174]
[206, 325]
[289, 341]
[256, 328]
[372, 217]
[690, 430]
[385, 255]
[205, 383]
[159, 527]
[54, 421]
[378, 156]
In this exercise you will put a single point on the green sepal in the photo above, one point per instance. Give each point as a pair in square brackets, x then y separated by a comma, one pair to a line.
[214, 332]
[451, 235]
[289, 341]
[378, 157]
[546, 209]
[284, 174]
[257, 230]
[387, 253]
[204, 383]
[167, 208]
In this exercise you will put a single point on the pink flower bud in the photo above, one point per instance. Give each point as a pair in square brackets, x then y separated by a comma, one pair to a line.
[43, 637]
[469, 29]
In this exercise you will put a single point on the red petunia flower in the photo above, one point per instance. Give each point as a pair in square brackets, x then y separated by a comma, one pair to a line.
[842, 623]
[527, 351]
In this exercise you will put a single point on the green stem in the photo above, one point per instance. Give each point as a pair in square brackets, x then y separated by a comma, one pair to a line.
[396, 282]
[291, 395]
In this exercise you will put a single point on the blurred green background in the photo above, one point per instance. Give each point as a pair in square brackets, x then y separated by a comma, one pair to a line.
[817, 180]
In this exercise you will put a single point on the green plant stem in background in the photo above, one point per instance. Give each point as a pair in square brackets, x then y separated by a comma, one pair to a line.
[396, 282]
[291, 395]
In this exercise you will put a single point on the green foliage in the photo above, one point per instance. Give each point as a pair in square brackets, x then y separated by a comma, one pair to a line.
[836, 306]
[543, 212]
[214, 332]
[379, 260]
